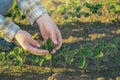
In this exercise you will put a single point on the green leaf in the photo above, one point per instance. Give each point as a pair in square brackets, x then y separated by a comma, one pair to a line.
[117, 7]
[88, 5]
[21, 50]
[44, 47]
[16, 51]
[111, 2]
[86, 53]
[98, 6]
[2, 56]
[82, 62]
[78, 15]
[16, 62]
[49, 45]
[41, 62]
[58, 54]
[48, 56]
[66, 17]
[13, 5]
[78, 9]
[99, 55]
[20, 59]
[61, 8]
[35, 58]
[11, 55]
[87, 14]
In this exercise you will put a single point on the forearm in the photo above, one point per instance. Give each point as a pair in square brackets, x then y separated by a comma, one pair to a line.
[32, 9]
[7, 29]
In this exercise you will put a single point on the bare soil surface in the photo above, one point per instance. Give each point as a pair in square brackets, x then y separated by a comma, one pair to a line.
[74, 34]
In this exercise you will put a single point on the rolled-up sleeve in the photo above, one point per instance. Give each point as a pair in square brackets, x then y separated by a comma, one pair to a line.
[8, 29]
[32, 9]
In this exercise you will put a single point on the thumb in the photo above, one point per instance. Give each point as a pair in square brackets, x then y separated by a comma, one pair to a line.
[53, 38]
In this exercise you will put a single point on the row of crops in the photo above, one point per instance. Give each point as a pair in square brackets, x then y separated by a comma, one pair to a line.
[98, 55]
[73, 8]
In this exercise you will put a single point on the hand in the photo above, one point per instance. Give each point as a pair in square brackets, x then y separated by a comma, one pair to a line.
[28, 43]
[50, 30]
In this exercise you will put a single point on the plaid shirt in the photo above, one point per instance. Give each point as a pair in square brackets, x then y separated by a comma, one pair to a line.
[33, 10]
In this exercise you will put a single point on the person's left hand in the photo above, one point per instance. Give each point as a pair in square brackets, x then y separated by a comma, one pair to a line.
[50, 30]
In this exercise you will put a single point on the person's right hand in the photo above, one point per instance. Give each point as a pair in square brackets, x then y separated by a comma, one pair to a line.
[28, 43]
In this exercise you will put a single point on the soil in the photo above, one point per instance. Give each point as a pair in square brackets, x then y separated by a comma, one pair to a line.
[74, 33]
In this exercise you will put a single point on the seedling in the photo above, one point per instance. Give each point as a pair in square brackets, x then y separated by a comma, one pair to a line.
[17, 56]
[93, 8]
[71, 8]
[49, 46]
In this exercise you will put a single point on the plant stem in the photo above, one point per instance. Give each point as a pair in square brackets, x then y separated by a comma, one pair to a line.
[51, 67]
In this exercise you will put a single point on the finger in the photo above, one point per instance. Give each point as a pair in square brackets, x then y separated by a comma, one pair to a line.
[53, 51]
[53, 37]
[45, 38]
[35, 50]
[58, 46]
[33, 42]
[59, 39]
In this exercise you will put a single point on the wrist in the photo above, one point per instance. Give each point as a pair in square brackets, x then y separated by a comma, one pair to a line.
[18, 33]
[42, 18]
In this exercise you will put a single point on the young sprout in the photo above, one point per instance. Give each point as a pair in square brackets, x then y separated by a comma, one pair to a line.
[49, 46]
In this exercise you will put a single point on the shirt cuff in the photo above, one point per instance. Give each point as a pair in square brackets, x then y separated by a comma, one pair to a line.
[32, 9]
[8, 29]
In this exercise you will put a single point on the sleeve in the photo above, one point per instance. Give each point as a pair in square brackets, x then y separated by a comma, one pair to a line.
[8, 29]
[32, 9]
